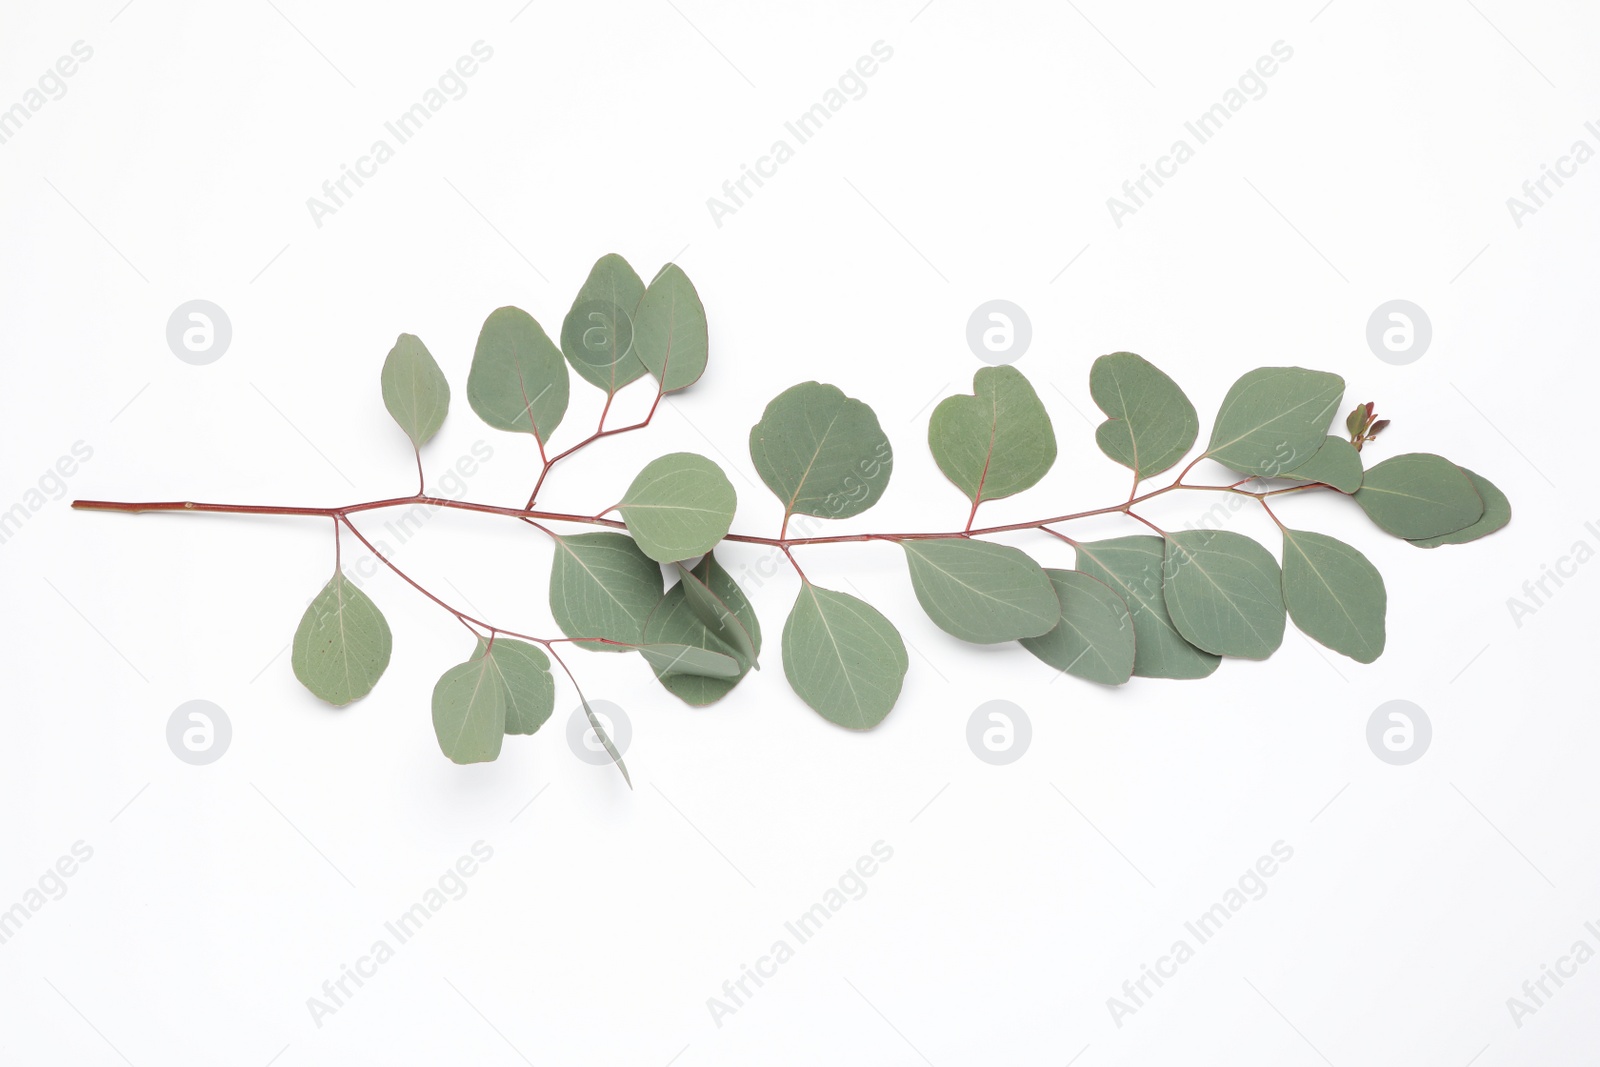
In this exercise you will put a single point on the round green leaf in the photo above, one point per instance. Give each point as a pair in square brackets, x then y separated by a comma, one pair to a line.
[820, 452]
[469, 711]
[669, 330]
[414, 389]
[1336, 463]
[1496, 513]
[342, 644]
[1224, 593]
[980, 591]
[518, 381]
[1094, 639]
[1334, 594]
[996, 442]
[843, 657]
[1132, 566]
[601, 585]
[1419, 495]
[1274, 419]
[678, 507]
[530, 688]
[597, 334]
[1150, 424]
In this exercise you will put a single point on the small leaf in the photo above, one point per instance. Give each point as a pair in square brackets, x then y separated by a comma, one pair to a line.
[414, 389]
[1356, 421]
[1150, 424]
[342, 645]
[678, 507]
[843, 657]
[1094, 639]
[1496, 513]
[601, 585]
[980, 591]
[469, 711]
[668, 658]
[1419, 495]
[605, 739]
[1224, 593]
[676, 619]
[530, 688]
[820, 452]
[1274, 419]
[1336, 463]
[998, 441]
[1334, 594]
[597, 334]
[1132, 567]
[730, 620]
[518, 381]
[669, 330]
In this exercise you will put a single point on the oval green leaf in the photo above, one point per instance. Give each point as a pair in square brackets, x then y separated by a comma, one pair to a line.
[996, 442]
[597, 334]
[414, 389]
[601, 585]
[1419, 495]
[1224, 593]
[1150, 423]
[469, 711]
[342, 644]
[1132, 567]
[1274, 419]
[1094, 639]
[820, 452]
[530, 688]
[518, 380]
[678, 507]
[1496, 513]
[980, 591]
[669, 330]
[843, 658]
[1337, 463]
[1334, 594]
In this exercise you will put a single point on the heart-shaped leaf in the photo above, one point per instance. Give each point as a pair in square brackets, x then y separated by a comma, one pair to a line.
[843, 657]
[597, 334]
[820, 452]
[678, 507]
[1334, 594]
[1094, 639]
[980, 591]
[1224, 593]
[1132, 566]
[996, 442]
[1150, 424]
[1419, 495]
[342, 644]
[414, 389]
[1274, 419]
[669, 330]
[518, 381]
[469, 710]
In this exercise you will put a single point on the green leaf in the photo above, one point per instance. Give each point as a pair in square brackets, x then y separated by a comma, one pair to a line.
[1224, 593]
[843, 657]
[342, 645]
[1094, 639]
[1150, 424]
[676, 619]
[669, 658]
[1132, 567]
[720, 605]
[678, 507]
[1496, 513]
[1336, 463]
[820, 452]
[1334, 594]
[605, 738]
[601, 585]
[414, 389]
[530, 688]
[980, 591]
[1419, 495]
[669, 330]
[998, 441]
[518, 381]
[469, 711]
[1274, 419]
[597, 334]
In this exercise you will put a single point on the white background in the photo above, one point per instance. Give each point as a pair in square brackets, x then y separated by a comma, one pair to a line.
[1019, 898]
